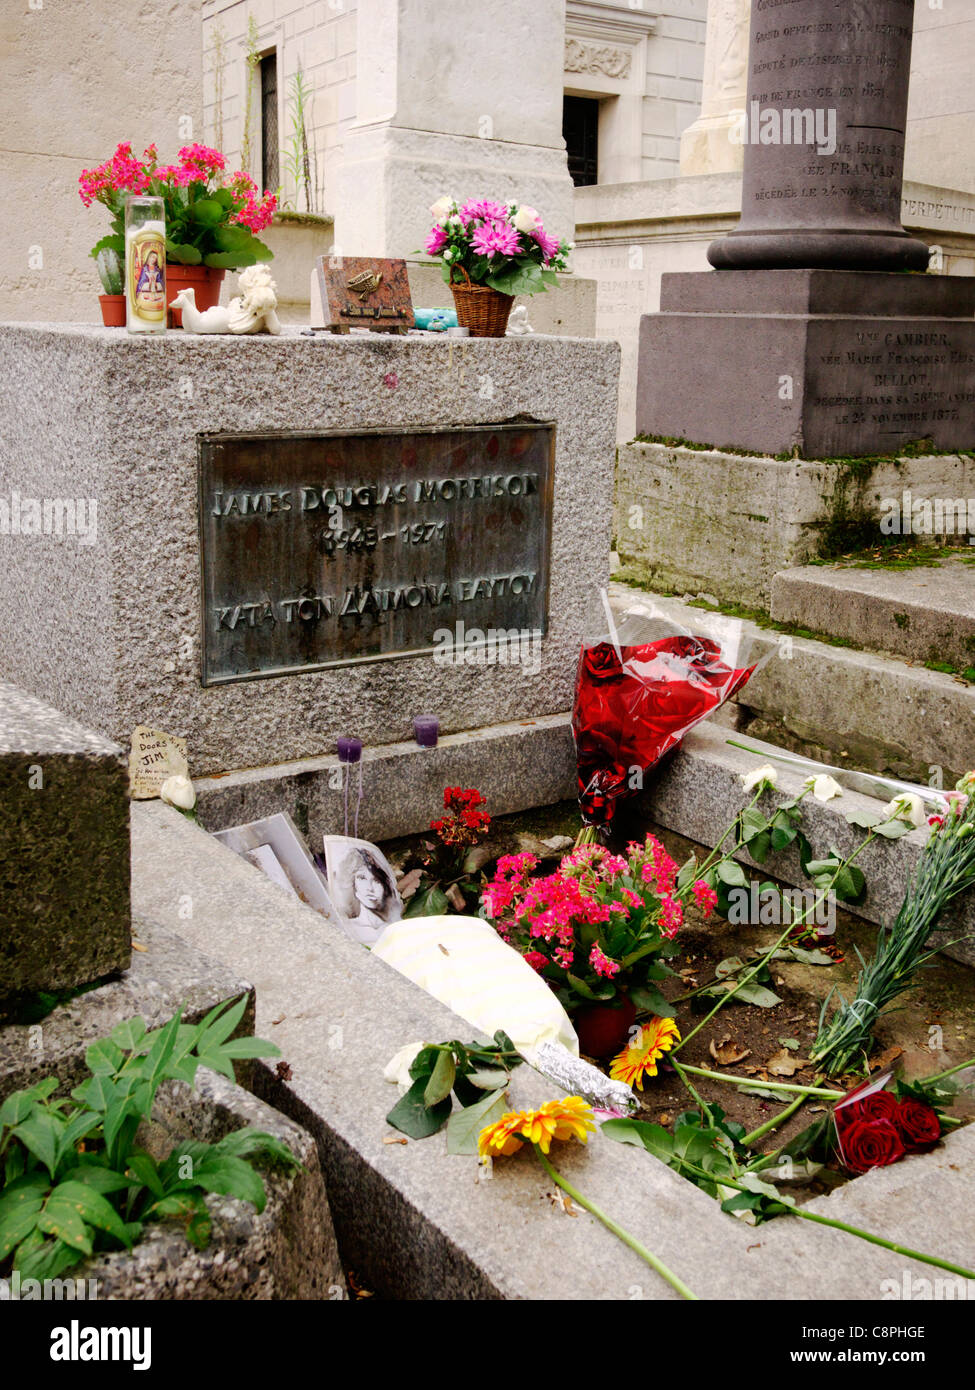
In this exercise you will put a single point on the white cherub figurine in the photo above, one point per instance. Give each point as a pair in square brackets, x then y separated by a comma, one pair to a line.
[254, 308]
[215, 320]
[518, 324]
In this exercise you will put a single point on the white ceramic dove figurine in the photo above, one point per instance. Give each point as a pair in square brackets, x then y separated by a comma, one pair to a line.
[215, 320]
[253, 310]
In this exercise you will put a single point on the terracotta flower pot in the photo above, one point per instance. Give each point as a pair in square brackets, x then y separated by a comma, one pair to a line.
[203, 279]
[604, 1029]
[483, 310]
[113, 310]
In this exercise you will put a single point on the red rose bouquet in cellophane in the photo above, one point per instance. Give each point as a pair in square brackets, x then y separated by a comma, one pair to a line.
[641, 684]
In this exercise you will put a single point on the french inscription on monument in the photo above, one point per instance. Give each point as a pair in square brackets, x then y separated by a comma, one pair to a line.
[324, 549]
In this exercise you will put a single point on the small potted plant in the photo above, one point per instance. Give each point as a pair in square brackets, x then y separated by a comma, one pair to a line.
[211, 220]
[491, 252]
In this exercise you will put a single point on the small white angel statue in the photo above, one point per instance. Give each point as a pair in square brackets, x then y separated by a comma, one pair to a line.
[253, 310]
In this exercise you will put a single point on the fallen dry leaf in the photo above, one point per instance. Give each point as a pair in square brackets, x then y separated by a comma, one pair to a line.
[409, 883]
[395, 1139]
[455, 896]
[884, 1059]
[138, 946]
[728, 1053]
[784, 1064]
[276, 1021]
[442, 947]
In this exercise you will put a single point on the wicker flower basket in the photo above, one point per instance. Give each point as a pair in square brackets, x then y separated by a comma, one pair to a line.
[483, 310]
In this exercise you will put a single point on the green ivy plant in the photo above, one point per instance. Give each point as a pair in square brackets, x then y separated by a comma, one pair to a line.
[73, 1180]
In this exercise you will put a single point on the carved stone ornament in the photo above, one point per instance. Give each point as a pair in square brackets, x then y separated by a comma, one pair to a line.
[597, 58]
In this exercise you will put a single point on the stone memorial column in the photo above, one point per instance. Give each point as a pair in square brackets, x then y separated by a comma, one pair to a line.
[824, 139]
[707, 147]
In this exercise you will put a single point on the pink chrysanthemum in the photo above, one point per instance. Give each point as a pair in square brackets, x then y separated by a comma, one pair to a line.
[436, 240]
[484, 210]
[495, 239]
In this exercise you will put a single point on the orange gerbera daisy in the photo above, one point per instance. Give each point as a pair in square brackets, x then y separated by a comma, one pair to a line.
[640, 1058]
[557, 1119]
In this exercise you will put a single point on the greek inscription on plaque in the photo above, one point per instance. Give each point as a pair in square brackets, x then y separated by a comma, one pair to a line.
[319, 550]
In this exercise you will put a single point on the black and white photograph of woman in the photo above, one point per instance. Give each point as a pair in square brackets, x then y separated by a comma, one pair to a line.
[362, 886]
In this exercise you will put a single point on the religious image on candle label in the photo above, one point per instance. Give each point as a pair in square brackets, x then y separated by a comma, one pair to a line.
[148, 275]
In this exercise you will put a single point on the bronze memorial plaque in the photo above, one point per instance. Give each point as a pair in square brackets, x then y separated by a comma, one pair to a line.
[323, 549]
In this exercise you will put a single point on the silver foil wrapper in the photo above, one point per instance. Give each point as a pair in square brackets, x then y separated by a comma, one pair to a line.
[580, 1078]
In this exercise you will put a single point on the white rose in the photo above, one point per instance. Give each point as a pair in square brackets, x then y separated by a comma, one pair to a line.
[440, 210]
[178, 791]
[906, 807]
[823, 787]
[527, 219]
[764, 777]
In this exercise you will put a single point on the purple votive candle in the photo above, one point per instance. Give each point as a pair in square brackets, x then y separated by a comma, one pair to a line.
[426, 730]
[350, 750]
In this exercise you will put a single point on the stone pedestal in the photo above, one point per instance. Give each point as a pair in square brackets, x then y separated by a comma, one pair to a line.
[113, 631]
[451, 106]
[827, 364]
[707, 146]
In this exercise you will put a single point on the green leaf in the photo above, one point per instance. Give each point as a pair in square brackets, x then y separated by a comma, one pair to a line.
[19, 1210]
[431, 903]
[146, 1171]
[654, 1138]
[866, 820]
[190, 1208]
[893, 830]
[759, 847]
[239, 1048]
[42, 1259]
[181, 253]
[850, 885]
[231, 260]
[129, 1033]
[650, 1000]
[754, 993]
[441, 1081]
[61, 1218]
[580, 987]
[520, 280]
[41, 1134]
[228, 1176]
[488, 1078]
[17, 1107]
[97, 1093]
[89, 1205]
[733, 874]
[424, 1062]
[464, 1127]
[104, 1058]
[752, 823]
[411, 1117]
[100, 1178]
[208, 212]
[244, 1142]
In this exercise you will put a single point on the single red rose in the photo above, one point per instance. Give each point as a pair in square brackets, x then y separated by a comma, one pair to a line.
[601, 662]
[867, 1144]
[918, 1125]
[881, 1105]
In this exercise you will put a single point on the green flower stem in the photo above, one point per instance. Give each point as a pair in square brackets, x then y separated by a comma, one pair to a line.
[943, 1075]
[783, 1086]
[702, 1104]
[611, 1225]
[775, 1121]
[842, 1226]
[750, 975]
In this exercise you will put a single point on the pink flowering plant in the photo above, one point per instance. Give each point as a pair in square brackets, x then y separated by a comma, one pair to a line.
[602, 924]
[211, 216]
[502, 245]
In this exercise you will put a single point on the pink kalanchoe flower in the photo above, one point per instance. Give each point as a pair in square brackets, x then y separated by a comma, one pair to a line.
[707, 898]
[671, 917]
[602, 964]
[536, 960]
[202, 159]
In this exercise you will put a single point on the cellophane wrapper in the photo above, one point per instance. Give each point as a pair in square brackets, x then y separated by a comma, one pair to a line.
[643, 681]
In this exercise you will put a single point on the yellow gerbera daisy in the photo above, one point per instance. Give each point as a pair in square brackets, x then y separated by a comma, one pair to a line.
[556, 1119]
[640, 1058]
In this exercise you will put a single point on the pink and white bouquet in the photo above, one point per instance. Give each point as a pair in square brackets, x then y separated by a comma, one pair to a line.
[502, 245]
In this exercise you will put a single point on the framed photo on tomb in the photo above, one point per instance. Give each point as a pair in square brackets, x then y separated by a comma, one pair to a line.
[362, 887]
[361, 292]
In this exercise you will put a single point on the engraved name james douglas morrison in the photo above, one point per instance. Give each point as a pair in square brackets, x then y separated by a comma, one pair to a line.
[343, 533]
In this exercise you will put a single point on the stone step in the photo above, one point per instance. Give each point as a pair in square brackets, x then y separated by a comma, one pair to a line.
[844, 706]
[699, 793]
[926, 613]
[64, 849]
